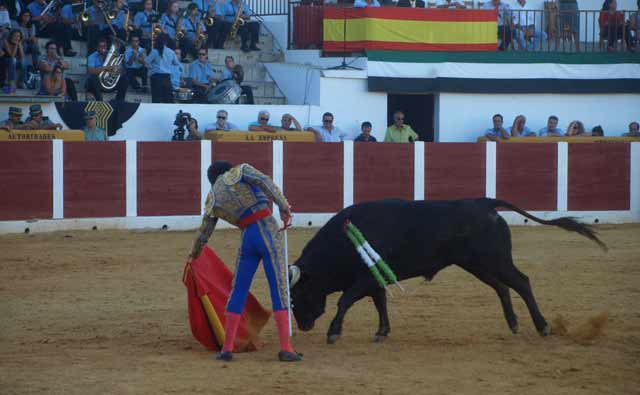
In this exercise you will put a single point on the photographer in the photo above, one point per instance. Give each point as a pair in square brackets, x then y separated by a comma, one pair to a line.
[194, 134]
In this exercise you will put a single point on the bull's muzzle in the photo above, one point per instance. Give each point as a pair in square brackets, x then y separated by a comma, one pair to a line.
[294, 275]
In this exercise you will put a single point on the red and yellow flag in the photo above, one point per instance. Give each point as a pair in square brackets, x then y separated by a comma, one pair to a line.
[409, 29]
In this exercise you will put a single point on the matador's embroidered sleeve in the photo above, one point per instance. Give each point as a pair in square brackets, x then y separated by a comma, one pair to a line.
[256, 177]
[209, 221]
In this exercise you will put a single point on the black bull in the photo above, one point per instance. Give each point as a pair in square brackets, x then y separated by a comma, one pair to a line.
[416, 238]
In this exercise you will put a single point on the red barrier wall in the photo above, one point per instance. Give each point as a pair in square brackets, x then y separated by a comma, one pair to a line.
[454, 170]
[258, 155]
[94, 179]
[599, 175]
[382, 171]
[26, 180]
[168, 178]
[313, 177]
[526, 175]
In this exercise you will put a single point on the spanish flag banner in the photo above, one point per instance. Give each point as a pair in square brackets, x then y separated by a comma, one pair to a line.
[409, 29]
[208, 283]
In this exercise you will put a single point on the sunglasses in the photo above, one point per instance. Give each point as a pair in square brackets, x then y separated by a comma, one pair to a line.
[202, 54]
[327, 120]
[221, 117]
[264, 119]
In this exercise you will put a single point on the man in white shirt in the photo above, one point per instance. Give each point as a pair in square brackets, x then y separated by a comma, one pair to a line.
[366, 3]
[528, 36]
[221, 123]
[450, 4]
[327, 132]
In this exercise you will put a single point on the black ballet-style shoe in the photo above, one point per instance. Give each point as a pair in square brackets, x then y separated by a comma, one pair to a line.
[286, 356]
[224, 356]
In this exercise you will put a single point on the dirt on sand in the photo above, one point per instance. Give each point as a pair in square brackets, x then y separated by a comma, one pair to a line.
[105, 312]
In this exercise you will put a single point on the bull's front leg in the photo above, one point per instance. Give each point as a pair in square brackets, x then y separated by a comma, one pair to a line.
[380, 301]
[353, 294]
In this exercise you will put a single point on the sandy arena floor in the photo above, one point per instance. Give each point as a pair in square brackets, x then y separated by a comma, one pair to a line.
[105, 312]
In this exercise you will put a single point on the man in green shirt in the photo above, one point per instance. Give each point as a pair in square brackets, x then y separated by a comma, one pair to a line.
[92, 132]
[399, 132]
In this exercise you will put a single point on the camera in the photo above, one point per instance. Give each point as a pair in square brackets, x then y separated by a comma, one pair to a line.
[182, 125]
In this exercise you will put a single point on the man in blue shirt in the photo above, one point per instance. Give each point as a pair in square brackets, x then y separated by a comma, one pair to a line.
[504, 22]
[222, 12]
[202, 76]
[118, 21]
[232, 72]
[190, 27]
[134, 63]
[250, 31]
[97, 27]
[161, 62]
[366, 3]
[366, 133]
[142, 22]
[95, 66]
[169, 23]
[498, 131]
[91, 131]
[177, 70]
[51, 26]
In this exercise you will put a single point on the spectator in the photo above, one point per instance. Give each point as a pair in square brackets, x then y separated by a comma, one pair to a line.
[366, 133]
[287, 120]
[411, 3]
[91, 131]
[327, 132]
[14, 61]
[399, 132]
[29, 39]
[169, 23]
[118, 22]
[450, 4]
[634, 25]
[163, 65]
[142, 23]
[569, 18]
[262, 125]
[202, 75]
[177, 71]
[5, 20]
[497, 132]
[54, 84]
[49, 61]
[634, 130]
[576, 128]
[194, 134]
[366, 3]
[504, 22]
[97, 28]
[612, 26]
[234, 71]
[15, 119]
[70, 21]
[221, 11]
[134, 63]
[552, 129]
[250, 31]
[221, 123]
[519, 127]
[189, 27]
[597, 131]
[50, 26]
[39, 122]
[528, 36]
[95, 66]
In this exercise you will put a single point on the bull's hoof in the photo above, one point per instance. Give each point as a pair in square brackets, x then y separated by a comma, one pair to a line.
[546, 331]
[331, 339]
[379, 338]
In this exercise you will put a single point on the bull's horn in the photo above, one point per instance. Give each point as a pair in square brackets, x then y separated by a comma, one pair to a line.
[294, 275]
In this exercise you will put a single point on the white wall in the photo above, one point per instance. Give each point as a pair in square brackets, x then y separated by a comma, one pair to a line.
[299, 83]
[613, 112]
[314, 58]
[277, 25]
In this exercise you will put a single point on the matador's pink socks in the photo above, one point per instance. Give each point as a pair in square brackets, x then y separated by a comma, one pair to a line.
[282, 321]
[230, 329]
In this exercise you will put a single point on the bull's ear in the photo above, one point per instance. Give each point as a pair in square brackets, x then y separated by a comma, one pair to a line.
[294, 275]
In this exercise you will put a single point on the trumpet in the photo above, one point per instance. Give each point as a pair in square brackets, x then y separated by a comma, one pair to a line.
[179, 34]
[111, 15]
[84, 17]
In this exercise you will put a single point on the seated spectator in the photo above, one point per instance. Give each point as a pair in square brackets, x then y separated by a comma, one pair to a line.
[142, 23]
[234, 72]
[327, 132]
[5, 20]
[177, 71]
[118, 21]
[15, 119]
[552, 129]
[519, 127]
[450, 4]
[411, 3]
[49, 61]
[399, 132]
[13, 61]
[576, 128]
[54, 84]
[91, 131]
[365, 3]
[97, 28]
[29, 39]
[612, 26]
[51, 26]
[366, 133]
[528, 36]
[221, 10]
[95, 66]
[497, 132]
[134, 64]
[504, 22]
[597, 131]
[221, 123]
[634, 130]
[262, 125]
[634, 26]
[194, 134]
[202, 76]
[287, 120]
[39, 122]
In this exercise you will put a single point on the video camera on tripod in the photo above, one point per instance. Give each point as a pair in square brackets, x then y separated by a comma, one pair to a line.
[182, 122]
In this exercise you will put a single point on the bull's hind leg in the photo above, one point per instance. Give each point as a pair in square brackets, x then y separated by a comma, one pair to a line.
[519, 282]
[380, 301]
[357, 291]
[502, 291]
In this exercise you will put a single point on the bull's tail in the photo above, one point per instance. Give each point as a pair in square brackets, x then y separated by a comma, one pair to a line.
[566, 223]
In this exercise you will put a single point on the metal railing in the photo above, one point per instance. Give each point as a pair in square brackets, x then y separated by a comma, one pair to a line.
[268, 7]
[548, 30]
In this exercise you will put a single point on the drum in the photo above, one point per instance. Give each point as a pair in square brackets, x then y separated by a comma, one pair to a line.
[226, 92]
[183, 95]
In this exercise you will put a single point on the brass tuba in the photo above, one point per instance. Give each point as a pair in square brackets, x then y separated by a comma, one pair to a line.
[237, 22]
[109, 79]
